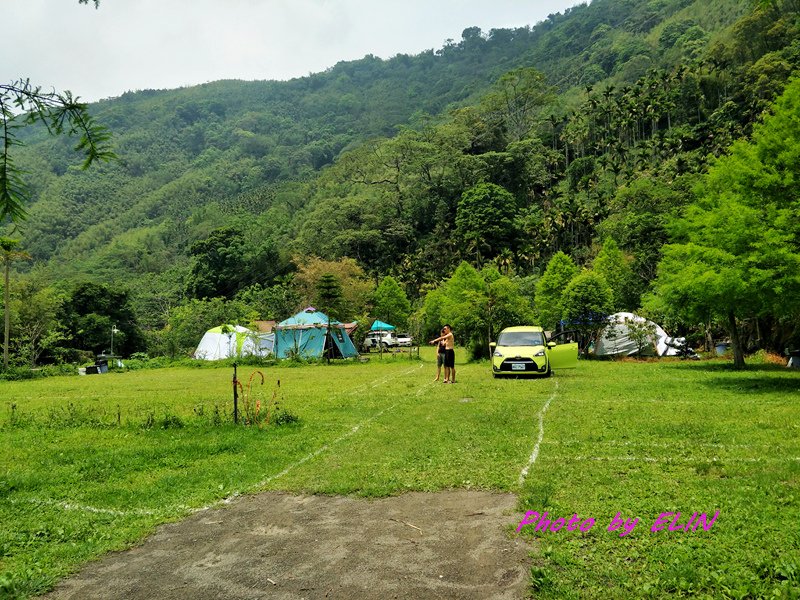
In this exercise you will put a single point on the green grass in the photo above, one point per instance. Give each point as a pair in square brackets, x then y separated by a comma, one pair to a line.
[91, 464]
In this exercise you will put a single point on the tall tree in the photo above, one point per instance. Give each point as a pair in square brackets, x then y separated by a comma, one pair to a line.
[356, 289]
[738, 254]
[390, 303]
[615, 268]
[516, 100]
[93, 310]
[550, 289]
[8, 253]
[485, 220]
[588, 300]
[329, 295]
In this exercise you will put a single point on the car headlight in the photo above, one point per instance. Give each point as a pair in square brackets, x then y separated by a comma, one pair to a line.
[540, 353]
[498, 354]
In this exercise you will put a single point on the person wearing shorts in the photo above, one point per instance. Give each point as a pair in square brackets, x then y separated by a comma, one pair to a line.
[440, 349]
[449, 353]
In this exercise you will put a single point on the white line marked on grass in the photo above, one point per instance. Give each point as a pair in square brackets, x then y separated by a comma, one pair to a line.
[313, 454]
[424, 388]
[85, 508]
[535, 454]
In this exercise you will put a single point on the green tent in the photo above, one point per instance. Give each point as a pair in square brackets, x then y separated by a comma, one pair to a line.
[305, 335]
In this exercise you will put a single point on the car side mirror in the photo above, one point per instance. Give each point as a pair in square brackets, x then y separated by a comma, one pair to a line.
[492, 345]
[551, 344]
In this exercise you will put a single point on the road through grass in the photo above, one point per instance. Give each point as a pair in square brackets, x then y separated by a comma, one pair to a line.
[94, 463]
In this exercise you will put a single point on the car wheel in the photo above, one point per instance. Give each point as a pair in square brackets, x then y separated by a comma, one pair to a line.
[549, 371]
[385, 346]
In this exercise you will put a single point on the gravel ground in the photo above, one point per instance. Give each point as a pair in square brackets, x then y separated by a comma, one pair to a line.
[454, 544]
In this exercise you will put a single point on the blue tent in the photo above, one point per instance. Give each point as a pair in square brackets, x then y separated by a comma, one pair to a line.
[381, 326]
[304, 336]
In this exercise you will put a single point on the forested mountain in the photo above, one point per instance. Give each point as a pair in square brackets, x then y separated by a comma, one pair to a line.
[504, 148]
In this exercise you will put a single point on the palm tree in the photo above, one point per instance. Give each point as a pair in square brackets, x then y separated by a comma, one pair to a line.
[505, 260]
[8, 253]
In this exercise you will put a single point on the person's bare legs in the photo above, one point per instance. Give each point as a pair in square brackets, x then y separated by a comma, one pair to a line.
[438, 372]
[452, 374]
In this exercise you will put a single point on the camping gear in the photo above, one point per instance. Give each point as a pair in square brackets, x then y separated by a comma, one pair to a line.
[381, 326]
[306, 335]
[232, 341]
[618, 339]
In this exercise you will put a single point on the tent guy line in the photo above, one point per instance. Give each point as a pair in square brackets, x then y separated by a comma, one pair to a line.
[535, 454]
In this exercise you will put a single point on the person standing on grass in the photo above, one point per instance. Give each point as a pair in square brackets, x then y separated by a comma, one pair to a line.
[440, 348]
[449, 353]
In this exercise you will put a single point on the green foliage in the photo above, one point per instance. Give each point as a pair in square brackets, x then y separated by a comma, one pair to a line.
[227, 262]
[328, 295]
[485, 220]
[614, 267]
[515, 102]
[275, 302]
[511, 145]
[187, 323]
[550, 289]
[477, 305]
[587, 302]
[641, 333]
[22, 104]
[390, 303]
[639, 214]
[36, 330]
[90, 312]
[738, 257]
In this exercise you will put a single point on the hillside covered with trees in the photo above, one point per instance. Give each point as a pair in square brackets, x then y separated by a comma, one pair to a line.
[511, 175]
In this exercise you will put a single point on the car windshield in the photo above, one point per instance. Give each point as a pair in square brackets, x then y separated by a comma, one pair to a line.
[521, 338]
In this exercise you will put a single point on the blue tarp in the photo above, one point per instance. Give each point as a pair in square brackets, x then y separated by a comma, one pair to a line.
[381, 326]
[303, 335]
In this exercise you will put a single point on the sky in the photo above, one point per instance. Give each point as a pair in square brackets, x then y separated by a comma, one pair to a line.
[129, 45]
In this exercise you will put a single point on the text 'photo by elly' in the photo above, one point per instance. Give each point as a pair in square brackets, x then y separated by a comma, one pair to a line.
[666, 521]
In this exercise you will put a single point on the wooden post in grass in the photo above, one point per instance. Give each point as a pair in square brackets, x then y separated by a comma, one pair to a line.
[235, 396]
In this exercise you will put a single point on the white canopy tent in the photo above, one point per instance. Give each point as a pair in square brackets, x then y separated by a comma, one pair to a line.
[618, 339]
[231, 341]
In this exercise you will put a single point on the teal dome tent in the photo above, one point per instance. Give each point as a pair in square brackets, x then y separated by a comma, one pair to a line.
[305, 335]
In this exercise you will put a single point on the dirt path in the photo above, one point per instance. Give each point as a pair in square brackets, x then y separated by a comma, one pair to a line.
[452, 544]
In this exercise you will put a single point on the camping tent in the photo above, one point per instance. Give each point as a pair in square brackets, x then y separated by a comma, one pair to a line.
[381, 326]
[617, 339]
[305, 335]
[231, 341]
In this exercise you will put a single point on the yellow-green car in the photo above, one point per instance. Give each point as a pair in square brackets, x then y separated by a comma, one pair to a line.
[526, 351]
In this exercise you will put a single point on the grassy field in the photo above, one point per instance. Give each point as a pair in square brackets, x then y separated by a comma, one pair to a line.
[91, 464]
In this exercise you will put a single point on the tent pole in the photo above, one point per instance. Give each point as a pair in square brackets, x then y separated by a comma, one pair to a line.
[235, 396]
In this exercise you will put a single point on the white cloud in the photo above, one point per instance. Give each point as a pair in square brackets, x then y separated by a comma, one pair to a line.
[138, 44]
